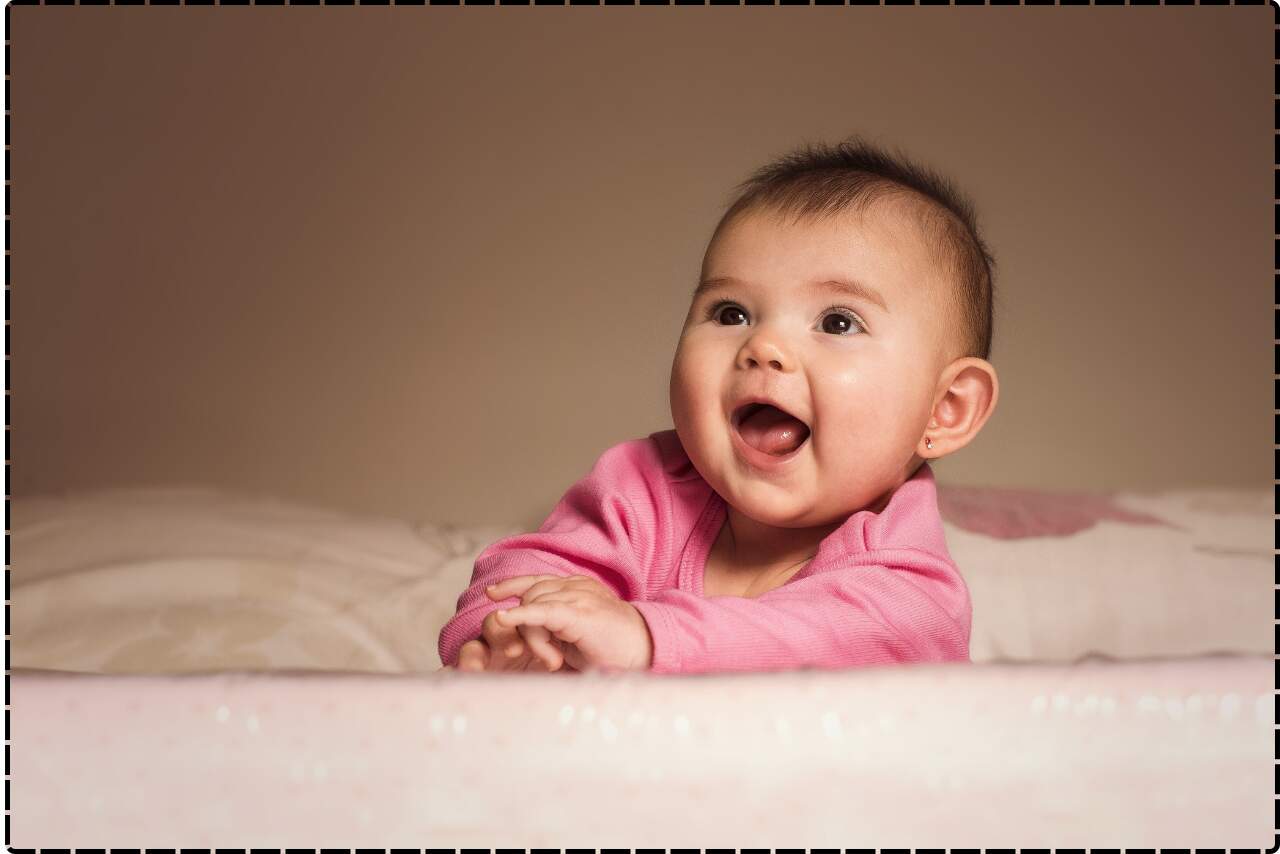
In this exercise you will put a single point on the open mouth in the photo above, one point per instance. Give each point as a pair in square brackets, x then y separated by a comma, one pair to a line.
[769, 429]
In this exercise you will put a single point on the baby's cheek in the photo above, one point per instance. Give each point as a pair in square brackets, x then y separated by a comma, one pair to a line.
[858, 431]
[683, 388]
[694, 402]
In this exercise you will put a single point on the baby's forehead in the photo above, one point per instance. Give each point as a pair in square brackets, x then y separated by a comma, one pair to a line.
[905, 223]
[899, 237]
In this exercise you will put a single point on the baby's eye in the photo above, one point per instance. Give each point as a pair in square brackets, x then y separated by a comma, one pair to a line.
[841, 321]
[722, 310]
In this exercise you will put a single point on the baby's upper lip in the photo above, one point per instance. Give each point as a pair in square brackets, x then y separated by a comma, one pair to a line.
[736, 411]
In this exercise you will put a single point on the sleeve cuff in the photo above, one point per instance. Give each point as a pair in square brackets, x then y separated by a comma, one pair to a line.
[666, 657]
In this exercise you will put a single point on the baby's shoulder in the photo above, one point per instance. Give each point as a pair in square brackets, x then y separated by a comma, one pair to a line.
[911, 519]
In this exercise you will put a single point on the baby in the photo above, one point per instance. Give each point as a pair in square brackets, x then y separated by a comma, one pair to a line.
[837, 341]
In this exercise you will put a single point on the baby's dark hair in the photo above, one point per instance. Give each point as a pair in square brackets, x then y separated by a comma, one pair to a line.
[818, 180]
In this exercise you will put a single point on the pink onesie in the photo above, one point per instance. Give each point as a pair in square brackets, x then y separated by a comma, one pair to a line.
[880, 590]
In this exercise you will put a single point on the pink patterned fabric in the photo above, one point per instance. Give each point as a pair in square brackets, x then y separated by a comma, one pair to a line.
[1015, 514]
[881, 589]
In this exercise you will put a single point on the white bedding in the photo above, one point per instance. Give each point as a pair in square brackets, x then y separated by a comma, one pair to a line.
[1043, 742]
[1129, 754]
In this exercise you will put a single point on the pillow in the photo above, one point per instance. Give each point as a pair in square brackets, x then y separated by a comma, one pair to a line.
[1055, 576]
[163, 580]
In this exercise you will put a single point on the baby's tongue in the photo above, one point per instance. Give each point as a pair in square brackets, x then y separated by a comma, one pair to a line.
[773, 431]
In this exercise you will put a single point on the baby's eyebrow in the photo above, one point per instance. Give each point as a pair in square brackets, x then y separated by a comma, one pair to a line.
[848, 287]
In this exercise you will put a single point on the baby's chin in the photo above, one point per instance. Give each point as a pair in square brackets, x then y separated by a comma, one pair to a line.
[793, 505]
[772, 505]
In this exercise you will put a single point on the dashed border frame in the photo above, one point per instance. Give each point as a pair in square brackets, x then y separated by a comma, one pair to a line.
[1276, 392]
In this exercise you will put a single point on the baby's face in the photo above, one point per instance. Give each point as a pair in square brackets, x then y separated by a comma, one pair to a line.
[861, 376]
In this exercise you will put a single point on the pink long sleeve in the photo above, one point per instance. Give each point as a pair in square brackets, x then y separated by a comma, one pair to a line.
[880, 590]
[882, 607]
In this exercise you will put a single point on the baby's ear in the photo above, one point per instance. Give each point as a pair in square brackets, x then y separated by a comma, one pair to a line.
[967, 393]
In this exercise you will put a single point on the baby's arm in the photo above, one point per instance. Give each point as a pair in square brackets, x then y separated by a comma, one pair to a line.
[879, 608]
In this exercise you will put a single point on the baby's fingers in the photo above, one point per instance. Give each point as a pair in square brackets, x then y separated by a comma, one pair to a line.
[504, 642]
[473, 656]
[539, 641]
[515, 586]
[553, 615]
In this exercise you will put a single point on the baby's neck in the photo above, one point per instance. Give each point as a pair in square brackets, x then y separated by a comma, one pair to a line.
[751, 544]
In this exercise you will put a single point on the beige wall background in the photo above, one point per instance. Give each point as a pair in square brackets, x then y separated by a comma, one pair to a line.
[430, 262]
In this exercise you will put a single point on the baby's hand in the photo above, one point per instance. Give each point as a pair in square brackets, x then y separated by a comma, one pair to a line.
[595, 628]
[509, 648]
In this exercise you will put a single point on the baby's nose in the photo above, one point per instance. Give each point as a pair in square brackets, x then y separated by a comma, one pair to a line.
[761, 351]
[773, 363]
